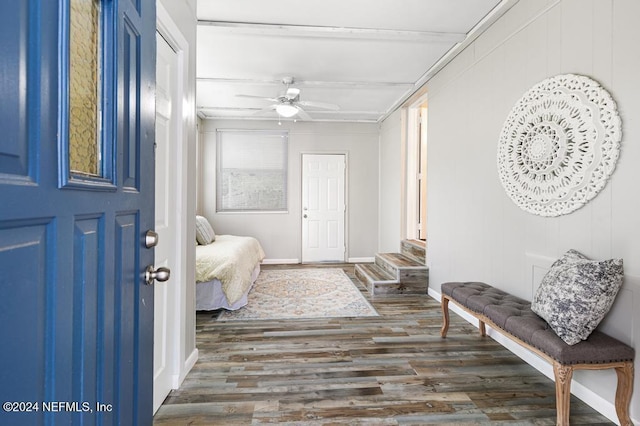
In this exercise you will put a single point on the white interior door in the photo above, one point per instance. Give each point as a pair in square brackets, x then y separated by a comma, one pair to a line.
[166, 220]
[323, 207]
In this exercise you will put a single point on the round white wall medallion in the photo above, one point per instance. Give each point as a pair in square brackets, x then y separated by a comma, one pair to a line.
[559, 145]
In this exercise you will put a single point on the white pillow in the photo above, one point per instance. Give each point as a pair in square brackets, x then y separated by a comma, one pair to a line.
[576, 294]
[204, 231]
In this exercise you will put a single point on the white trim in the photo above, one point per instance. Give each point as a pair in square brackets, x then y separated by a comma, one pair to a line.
[331, 32]
[589, 397]
[204, 116]
[361, 259]
[237, 212]
[168, 29]
[304, 83]
[280, 261]
[411, 172]
[186, 367]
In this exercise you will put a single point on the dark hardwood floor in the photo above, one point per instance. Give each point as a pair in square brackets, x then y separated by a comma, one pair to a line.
[387, 370]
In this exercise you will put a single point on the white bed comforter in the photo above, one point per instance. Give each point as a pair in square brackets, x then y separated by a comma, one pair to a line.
[230, 259]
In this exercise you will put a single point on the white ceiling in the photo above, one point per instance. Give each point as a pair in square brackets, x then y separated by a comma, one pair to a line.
[366, 56]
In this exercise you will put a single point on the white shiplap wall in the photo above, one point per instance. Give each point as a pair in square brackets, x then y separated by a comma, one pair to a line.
[475, 231]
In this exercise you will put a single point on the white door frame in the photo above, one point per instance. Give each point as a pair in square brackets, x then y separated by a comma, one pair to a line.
[410, 209]
[346, 198]
[179, 365]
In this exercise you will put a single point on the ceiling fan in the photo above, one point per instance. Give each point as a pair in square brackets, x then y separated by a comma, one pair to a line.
[288, 104]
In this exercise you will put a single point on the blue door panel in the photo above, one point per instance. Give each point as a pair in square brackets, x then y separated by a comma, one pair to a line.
[125, 272]
[23, 374]
[73, 303]
[13, 83]
[87, 282]
[130, 102]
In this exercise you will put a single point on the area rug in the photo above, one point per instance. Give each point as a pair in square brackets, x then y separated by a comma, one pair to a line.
[302, 293]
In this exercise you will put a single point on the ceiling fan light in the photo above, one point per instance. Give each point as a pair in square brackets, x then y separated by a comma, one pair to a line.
[286, 110]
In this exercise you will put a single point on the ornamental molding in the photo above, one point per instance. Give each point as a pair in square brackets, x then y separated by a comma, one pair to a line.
[559, 145]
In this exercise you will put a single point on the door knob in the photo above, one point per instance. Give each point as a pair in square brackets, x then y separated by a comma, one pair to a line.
[150, 239]
[305, 216]
[151, 274]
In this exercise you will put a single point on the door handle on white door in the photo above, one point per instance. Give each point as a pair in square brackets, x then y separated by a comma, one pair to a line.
[304, 216]
[151, 274]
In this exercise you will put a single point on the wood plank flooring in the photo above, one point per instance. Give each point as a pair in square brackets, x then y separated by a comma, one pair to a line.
[388, 370]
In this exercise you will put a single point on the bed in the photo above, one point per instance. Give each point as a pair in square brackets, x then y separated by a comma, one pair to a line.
[226, 268]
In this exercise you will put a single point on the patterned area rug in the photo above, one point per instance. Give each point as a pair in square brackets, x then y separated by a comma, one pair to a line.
[302, 293]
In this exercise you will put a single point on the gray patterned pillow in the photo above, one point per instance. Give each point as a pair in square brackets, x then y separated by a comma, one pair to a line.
[576, 294]
[204, 231]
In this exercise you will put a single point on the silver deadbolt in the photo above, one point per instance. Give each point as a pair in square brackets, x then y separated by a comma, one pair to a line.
[150, 239]
[151, 274]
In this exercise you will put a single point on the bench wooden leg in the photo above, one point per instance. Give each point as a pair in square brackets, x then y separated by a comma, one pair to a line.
[445, 316]
[563, 375]
[483, 329]
[623, 393]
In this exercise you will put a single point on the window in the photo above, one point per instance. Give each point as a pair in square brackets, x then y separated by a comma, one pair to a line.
[87, 121]
[84, 87]
[251, 171]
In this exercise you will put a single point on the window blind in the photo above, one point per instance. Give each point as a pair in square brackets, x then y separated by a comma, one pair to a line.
[251, 170]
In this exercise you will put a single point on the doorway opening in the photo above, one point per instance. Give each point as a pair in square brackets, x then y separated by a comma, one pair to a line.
[416, 172]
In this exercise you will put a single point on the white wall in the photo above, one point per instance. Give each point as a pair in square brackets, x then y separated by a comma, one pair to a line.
[390, 191]
[280, 233]
[183, 14]
[475, 231]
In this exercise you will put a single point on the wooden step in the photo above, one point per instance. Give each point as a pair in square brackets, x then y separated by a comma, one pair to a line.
[377, 280]
[373, 274]
[412, 275]
[415, 249]
[393, 263]
[380, 283]
[392, 274]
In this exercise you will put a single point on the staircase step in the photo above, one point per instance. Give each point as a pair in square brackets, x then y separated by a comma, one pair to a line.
[380, 283]
[395, 262]
[373, 274]
[415, 249]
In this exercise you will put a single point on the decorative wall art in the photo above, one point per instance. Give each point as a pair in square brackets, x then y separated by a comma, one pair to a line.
[559, 145]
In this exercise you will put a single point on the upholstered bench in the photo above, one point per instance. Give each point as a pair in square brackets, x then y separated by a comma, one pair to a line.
[514, 318]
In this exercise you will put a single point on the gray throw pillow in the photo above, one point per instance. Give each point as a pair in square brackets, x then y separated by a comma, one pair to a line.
[576, 294]
[204, 231]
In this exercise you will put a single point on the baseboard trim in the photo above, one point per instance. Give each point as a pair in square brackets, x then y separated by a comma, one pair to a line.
[280, 261]
[595, 401]
[361, 259]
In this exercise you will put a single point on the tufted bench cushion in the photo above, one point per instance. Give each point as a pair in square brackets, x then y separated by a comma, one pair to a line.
[514, 315]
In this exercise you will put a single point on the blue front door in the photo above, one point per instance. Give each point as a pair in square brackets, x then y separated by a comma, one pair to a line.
[76, 316]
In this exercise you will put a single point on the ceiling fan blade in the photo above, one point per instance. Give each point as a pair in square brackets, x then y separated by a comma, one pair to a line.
[322, 105]
[292, 93]
[257, 97]
[270, 108]
[303, 114]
